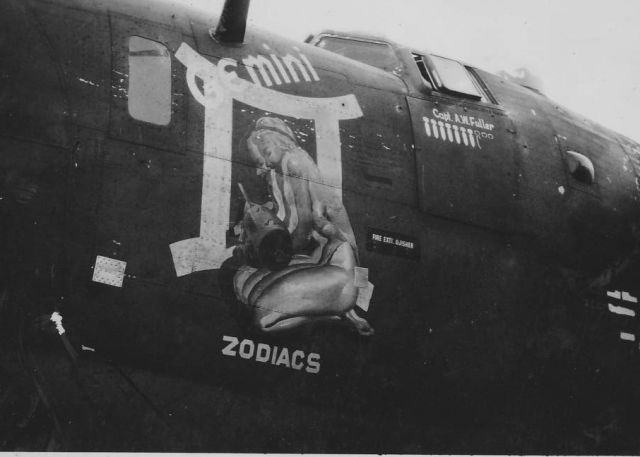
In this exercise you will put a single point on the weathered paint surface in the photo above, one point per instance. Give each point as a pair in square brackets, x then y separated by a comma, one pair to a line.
[490, 286]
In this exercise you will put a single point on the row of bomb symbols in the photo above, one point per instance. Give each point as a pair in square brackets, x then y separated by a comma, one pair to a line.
[454, 133]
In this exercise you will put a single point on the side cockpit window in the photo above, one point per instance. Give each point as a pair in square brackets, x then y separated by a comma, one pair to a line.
[149, 91]
[450, 76]
[376, 54]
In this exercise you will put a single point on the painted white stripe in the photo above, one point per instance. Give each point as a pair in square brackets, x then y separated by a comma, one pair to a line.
[627, 336]
[614, 294]
[622, 310]
[626, 296]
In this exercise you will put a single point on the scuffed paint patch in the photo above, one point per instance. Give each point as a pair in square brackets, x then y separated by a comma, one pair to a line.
[621, 310]
[56, 318]
[109, 271]
[86, 81]
[627, 336]
[87, 348]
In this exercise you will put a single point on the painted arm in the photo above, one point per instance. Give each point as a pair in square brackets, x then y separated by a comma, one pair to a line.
[329, 215]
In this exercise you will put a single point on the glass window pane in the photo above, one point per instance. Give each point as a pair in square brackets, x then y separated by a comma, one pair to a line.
[452, 75]
[379, 55]
[149, 81]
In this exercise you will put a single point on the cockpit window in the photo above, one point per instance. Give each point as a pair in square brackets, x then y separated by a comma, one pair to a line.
[373, 53]
[451, 76]
[149, 93]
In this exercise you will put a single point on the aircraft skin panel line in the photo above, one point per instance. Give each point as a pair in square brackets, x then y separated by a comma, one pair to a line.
[216, 239]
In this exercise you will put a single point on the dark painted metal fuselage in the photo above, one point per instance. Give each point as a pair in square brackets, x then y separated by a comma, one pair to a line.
[490, 262]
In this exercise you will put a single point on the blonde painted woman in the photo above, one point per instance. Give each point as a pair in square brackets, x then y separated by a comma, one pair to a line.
[318, 283]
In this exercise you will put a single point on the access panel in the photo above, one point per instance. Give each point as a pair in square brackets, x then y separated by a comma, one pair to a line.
[466, 163]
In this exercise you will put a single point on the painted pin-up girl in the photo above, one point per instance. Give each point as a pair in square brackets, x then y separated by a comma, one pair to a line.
[316, 281]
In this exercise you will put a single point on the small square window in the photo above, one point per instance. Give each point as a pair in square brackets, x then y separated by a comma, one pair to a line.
[453, 77]
[149, 93]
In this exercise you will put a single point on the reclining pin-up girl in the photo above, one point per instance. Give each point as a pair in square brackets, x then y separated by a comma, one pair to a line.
[299, 250]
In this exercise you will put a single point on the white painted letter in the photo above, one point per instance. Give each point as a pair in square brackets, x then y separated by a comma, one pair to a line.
[209, 250]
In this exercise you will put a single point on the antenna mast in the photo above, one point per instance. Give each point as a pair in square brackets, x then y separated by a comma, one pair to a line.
[233, 22]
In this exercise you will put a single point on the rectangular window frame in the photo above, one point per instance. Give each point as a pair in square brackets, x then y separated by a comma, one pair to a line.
[430, 75]
[348, 39]
[157, 112]
[122, 126]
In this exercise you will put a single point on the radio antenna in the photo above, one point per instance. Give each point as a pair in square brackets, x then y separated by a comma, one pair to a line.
[233, 22]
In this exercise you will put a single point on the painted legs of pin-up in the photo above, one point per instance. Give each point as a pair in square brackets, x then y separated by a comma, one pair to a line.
[362, 326]
[302, 293]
